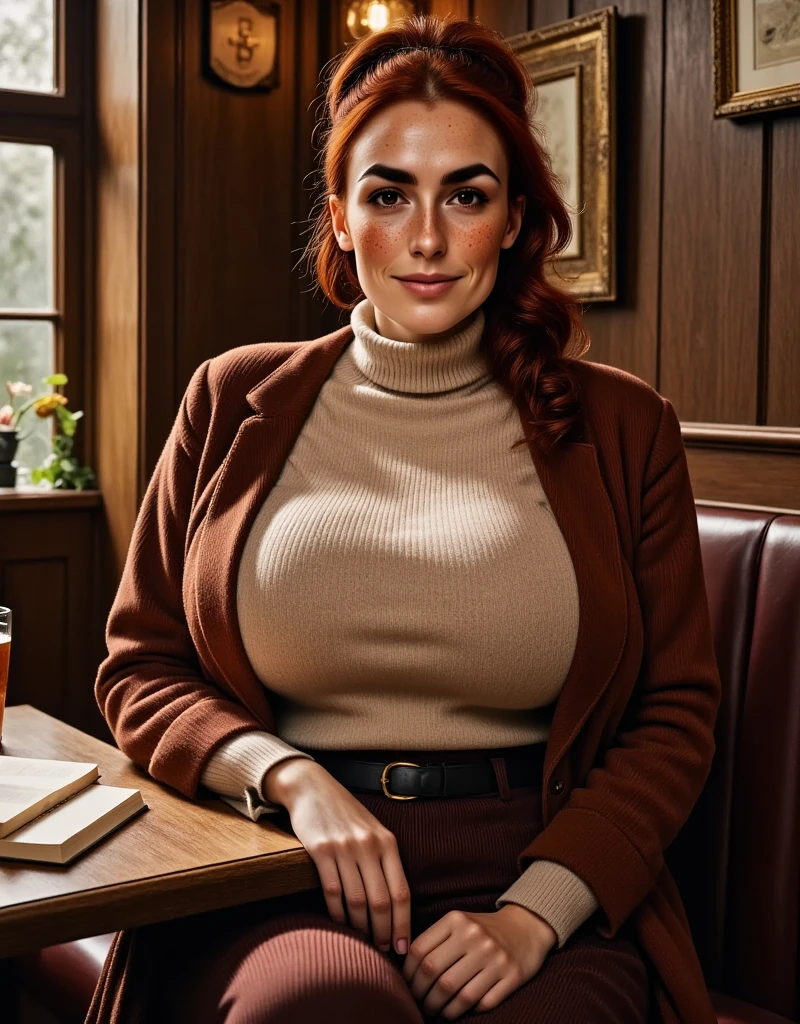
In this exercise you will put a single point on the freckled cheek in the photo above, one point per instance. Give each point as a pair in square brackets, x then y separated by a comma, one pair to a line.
[479, 242]
[377, 242]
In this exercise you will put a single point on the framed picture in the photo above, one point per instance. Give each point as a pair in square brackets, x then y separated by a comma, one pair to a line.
[573, 66]
[756, 56]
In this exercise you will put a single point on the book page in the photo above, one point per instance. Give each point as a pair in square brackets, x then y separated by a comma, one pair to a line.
[39, 773]
[56, 826]
[29, 783]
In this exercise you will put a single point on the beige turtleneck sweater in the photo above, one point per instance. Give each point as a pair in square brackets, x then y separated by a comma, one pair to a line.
[405, 584]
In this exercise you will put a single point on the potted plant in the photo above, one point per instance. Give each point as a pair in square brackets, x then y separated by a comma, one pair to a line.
[60, 470]
[9, 435]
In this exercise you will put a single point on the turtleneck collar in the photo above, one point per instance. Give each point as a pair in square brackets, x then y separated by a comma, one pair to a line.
[418, 367]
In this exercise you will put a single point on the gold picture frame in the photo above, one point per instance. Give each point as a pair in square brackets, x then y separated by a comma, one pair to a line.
[756, 57]
[573, 66]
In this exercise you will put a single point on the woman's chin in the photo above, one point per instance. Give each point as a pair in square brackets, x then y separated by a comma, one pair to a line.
[428, 318]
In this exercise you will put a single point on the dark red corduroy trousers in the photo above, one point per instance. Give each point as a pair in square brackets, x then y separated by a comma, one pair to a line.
[285, 962]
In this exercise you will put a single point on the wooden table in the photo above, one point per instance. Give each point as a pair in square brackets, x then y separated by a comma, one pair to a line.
[179, 857]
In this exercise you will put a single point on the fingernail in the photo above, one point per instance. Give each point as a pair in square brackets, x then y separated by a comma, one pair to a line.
[402, 946]
[385, 947]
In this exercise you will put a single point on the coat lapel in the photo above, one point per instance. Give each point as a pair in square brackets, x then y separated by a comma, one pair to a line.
[571, 479]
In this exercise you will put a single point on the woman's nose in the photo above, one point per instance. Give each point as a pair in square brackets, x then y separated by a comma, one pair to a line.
[428, 238]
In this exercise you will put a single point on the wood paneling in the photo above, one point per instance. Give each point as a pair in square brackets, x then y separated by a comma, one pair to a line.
[783, 360]
[35, 588]
[161, 60]
[48, 574]
[711, 240]
[748, 478]
[196, 240]
[117, 273]
[236, 178]
[626, 333]
[508, 17]
[458, 8]
[315, 316]
[545, 12]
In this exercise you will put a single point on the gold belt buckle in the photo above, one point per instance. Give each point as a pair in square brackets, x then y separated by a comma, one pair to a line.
[384, 780]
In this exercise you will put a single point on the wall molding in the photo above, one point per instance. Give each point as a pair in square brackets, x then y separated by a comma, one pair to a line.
[741, 437]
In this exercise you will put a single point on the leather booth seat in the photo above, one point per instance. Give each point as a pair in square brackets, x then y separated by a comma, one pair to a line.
[737, 860]
[62, 978]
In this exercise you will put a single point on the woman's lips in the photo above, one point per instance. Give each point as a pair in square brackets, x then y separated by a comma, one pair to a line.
[428, 288]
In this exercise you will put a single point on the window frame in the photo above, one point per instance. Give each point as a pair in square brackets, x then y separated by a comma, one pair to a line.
[61, 120]
[66, 101]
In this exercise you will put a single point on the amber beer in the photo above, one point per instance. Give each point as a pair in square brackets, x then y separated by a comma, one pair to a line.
[5, 657]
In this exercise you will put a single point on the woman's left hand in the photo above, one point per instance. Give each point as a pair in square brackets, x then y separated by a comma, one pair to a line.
[469, 960]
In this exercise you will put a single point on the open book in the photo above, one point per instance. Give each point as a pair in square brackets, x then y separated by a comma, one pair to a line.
[31, 785]
[53, 810]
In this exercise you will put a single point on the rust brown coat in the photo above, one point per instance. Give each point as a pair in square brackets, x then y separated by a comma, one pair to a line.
[632, 736]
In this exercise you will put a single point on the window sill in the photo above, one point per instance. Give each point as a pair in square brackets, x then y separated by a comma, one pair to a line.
[24, 497]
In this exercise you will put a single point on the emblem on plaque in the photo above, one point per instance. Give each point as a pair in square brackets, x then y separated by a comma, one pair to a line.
[241, 43]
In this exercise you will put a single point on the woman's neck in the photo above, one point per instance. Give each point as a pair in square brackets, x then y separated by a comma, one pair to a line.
[453, 360]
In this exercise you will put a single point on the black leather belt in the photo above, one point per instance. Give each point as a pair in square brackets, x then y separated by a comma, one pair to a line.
[407, 780]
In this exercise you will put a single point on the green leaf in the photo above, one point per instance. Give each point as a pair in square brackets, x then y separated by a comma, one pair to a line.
[56, 379]
[61, 469]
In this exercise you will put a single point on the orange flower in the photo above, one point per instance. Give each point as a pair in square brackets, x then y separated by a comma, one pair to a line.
[46, 406]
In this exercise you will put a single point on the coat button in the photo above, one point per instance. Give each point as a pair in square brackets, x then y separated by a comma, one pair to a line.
[557, 786]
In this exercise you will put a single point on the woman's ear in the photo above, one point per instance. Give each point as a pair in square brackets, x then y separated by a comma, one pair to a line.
[336, 208]
[516, 212]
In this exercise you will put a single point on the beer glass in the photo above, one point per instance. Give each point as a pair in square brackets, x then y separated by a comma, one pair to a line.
[5, 657]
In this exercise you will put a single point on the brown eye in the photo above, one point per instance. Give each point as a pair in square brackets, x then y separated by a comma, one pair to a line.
[390, 192]
[469, 194]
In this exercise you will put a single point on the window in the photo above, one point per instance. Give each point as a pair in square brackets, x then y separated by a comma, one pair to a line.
[42, 145]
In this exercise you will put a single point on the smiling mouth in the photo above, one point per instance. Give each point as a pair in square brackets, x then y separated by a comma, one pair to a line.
[429, 287]
[427, 278]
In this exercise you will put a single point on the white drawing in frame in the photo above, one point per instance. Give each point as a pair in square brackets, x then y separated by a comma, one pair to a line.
[777, 34]
[558, 111]
[767, 44]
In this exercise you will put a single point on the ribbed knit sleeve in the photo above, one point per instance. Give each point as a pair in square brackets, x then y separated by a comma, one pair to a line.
[554, 893]
[236, 770]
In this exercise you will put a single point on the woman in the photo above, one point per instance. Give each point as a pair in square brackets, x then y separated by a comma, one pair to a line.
[352, 582]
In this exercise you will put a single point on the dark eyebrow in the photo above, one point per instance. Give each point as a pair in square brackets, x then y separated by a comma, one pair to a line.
[407, 178]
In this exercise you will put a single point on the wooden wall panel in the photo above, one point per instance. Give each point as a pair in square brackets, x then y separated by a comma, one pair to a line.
[316, 43]
[36, 591]
[160, 112]
[117, 274]
[545, 12]
[236, 178]
[783, 360]
[458, 8]
[508, 17]
[625, 333]
[711, 241]
[48, 577]
[746, 478]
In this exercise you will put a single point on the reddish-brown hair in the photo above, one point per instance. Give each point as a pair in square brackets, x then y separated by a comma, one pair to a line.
[533, 328]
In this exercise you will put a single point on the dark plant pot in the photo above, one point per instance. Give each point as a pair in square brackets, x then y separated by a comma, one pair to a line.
[8, 448]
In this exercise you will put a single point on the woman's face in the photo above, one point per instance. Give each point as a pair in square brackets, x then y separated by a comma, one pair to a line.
[426, 194]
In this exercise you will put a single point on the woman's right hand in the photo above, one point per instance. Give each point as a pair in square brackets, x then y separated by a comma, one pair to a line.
[356, 856]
